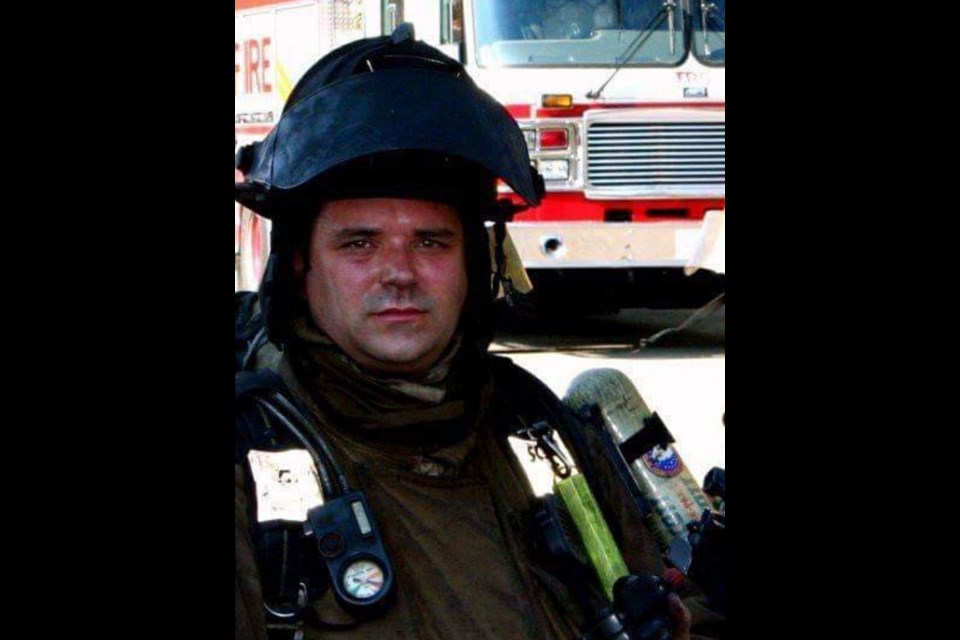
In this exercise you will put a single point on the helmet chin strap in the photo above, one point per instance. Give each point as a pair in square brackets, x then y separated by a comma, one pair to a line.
[510, 280]
[500, 279]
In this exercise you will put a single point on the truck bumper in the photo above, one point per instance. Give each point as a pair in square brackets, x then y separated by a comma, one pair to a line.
[575, 245]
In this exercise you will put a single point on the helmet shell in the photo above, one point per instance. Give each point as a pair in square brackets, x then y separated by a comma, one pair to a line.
[376, 96]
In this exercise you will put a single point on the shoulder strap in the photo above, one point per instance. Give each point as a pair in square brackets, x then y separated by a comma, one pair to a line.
[533, 401]
[283, 555]
[252, 430]
[248, 328]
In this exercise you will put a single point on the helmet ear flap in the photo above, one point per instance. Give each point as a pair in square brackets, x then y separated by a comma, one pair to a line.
[274, 300]
[279, 287]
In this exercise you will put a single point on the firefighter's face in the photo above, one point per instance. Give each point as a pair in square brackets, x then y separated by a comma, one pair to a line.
[386, 280]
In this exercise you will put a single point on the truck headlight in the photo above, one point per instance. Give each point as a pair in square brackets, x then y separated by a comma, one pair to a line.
[555, 169]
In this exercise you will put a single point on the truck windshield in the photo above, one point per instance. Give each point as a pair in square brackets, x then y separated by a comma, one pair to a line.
[709, 30]
[538, 33]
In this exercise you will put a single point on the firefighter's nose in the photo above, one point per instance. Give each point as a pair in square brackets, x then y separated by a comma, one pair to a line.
[398, 270]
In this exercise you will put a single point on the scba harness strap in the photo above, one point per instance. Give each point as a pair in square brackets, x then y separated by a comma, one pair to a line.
[312, 531]
[281, 550]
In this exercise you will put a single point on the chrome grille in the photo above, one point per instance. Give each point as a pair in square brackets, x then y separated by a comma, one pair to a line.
[656, 154]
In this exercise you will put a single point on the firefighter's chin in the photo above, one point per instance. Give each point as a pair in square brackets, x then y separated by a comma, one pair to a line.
[401, 342]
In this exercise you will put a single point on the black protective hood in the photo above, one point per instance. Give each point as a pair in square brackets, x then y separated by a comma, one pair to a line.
[375, 96]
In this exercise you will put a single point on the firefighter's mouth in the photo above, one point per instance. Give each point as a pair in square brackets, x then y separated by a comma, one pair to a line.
[399, 313]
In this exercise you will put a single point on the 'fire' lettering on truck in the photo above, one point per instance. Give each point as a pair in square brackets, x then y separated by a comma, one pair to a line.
[252, 62]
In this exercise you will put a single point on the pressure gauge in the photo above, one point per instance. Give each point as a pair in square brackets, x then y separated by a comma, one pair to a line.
[349, 543]
[363, 579]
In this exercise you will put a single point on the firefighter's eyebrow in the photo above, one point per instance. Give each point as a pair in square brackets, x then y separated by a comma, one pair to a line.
[355, 232]
[439, 232]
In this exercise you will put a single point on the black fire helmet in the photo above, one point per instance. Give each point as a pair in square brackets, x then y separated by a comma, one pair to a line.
[384, 117]
[375, 96]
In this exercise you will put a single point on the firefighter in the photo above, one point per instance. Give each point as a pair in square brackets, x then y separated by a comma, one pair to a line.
[379, 306]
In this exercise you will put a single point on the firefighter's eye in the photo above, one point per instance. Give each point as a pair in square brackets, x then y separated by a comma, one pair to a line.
[357, 244]
[439, 241]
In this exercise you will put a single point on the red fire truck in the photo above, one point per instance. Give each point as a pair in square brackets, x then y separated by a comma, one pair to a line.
[622, 103]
